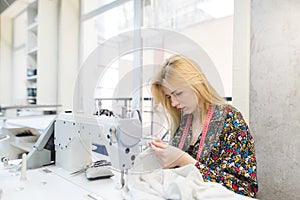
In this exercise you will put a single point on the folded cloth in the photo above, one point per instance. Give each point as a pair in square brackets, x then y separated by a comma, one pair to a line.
[149, 181]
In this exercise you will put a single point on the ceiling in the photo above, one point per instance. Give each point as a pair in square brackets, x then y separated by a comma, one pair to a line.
[4, 4]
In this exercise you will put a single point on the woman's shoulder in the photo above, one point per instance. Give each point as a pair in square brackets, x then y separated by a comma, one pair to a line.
[230, 114]
[226, 108]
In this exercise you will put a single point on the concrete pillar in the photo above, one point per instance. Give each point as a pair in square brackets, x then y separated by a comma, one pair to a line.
[275, 95]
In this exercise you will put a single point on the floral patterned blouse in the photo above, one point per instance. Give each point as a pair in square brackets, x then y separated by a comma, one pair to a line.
[228, 155]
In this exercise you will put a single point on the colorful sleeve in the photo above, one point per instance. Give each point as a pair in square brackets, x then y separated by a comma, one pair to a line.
[233, 161]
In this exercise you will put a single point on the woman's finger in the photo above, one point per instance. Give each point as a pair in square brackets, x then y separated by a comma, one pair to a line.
[160, 144]
[155, 148]
[157, 140]
[148, 143]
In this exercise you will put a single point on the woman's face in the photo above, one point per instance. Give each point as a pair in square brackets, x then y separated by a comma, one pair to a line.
[182, 98]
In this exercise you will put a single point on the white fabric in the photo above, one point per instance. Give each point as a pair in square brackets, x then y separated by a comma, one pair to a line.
[148, 181]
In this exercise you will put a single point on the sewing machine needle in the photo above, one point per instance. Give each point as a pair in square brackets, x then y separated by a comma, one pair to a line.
[79, 171]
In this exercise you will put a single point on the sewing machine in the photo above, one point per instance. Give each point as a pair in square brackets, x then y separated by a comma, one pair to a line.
[117, 140]
[75, 138]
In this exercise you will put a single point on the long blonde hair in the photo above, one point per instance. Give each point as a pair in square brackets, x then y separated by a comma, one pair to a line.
[185, 72]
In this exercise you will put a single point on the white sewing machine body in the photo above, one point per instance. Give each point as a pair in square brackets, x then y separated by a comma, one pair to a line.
[74, 136]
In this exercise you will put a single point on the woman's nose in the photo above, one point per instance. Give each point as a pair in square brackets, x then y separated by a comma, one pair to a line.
[174, 101]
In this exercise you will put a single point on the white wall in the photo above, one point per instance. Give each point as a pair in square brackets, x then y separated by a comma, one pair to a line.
[47, 52]
[241, 57]
[5, 60]
[68, 58]
[19, 63]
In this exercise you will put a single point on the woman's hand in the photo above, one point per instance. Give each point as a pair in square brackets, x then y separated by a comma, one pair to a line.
[169, 156]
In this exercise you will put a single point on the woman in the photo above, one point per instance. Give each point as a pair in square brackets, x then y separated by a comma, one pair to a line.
[205, 130]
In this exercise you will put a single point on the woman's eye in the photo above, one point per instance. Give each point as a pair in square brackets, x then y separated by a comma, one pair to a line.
[168, 96]
[178, 93]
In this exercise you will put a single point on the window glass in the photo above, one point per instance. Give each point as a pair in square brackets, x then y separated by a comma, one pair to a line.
[99, 29]
[90, 5]
[106, 25]
[209, 23]
[181, 13]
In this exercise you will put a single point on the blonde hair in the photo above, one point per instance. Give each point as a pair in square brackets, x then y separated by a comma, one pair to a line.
[183, 71]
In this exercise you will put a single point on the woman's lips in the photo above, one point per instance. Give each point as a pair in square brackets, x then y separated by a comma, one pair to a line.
[180, 109]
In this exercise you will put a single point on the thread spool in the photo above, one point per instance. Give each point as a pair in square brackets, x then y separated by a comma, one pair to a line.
[24, 167]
